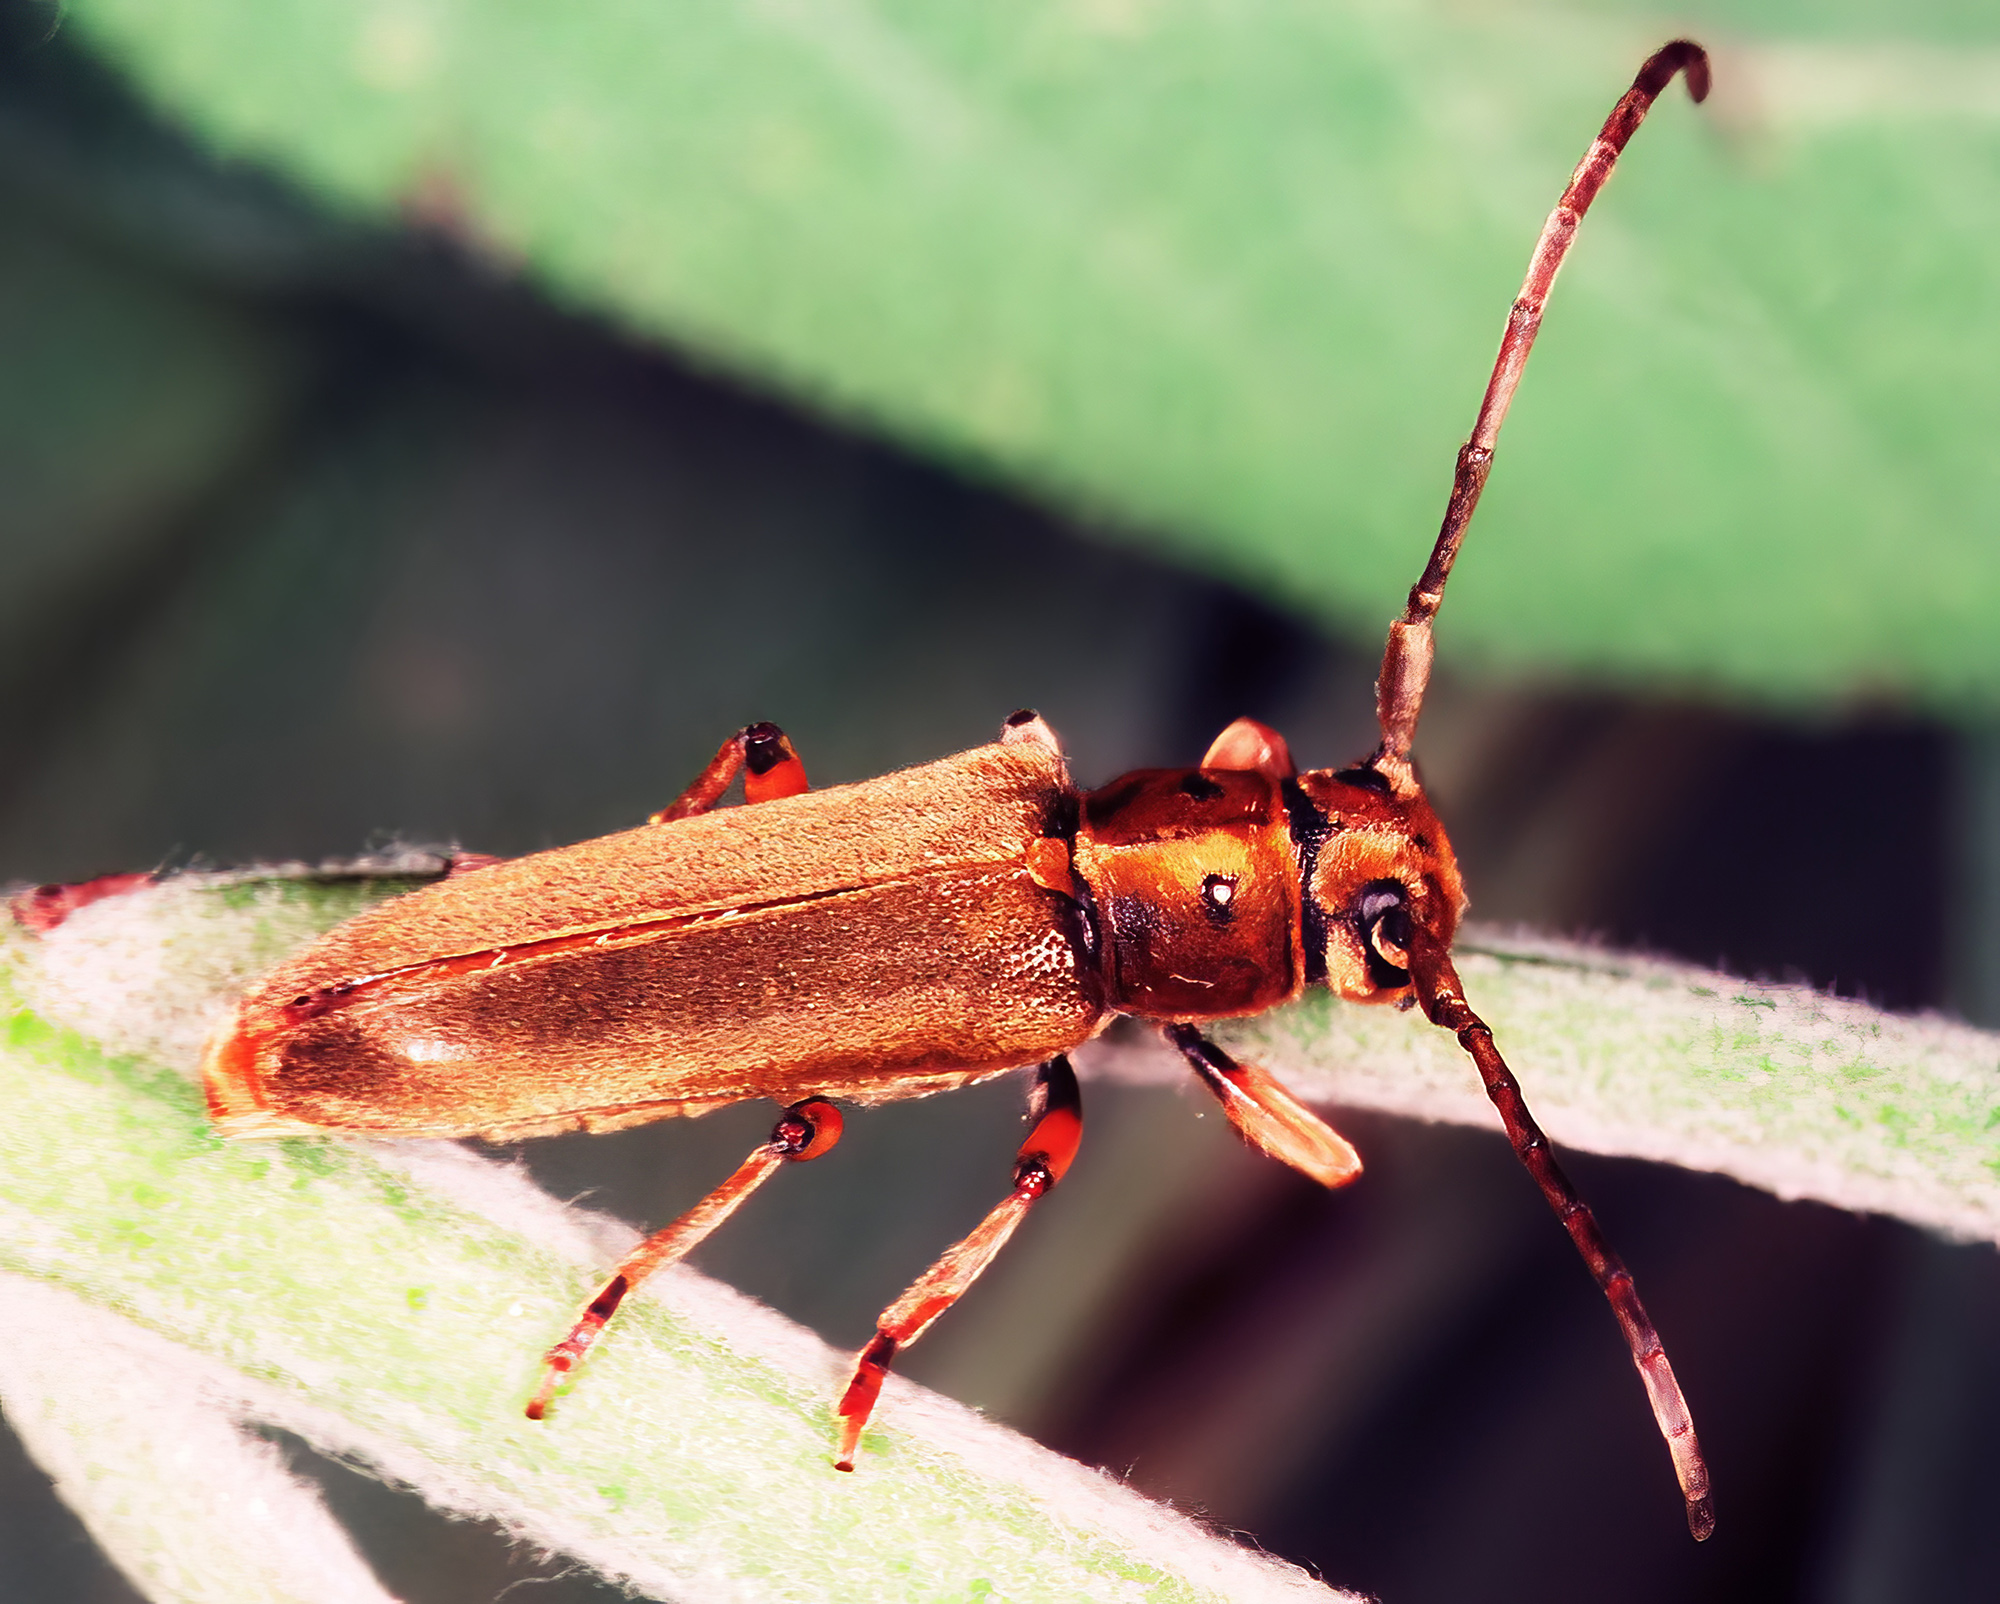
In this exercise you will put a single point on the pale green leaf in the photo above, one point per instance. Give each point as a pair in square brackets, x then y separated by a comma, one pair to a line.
[389, 1303]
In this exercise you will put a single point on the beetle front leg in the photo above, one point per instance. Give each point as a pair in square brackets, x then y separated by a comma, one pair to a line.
[1265, 1114]
[1056, 1108]
[805, 1130]
[761, 753]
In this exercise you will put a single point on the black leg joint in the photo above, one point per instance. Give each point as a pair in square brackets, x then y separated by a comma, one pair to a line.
[1055, 1088]
[763, 748]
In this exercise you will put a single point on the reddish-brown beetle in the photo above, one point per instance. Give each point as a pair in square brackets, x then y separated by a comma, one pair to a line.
[923, 931]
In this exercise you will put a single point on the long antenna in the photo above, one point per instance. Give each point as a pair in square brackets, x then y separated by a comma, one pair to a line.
[1444, 1003]
[1399, 695]
[1406, 661]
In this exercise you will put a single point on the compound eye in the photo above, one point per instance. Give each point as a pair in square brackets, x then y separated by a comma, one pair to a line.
[1384, 917]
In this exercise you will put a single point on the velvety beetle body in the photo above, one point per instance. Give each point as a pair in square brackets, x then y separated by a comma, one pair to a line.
[883, 939]
[921, 931]
[887, 939]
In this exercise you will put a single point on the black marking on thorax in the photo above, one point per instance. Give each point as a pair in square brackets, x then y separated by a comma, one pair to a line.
[1310, 828]
[1365, 777]
[1077, 915]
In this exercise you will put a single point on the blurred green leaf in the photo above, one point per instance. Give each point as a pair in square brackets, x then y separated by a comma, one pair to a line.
[1231, 276]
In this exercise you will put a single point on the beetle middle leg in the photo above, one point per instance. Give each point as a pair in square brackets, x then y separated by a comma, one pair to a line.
[1265, 1114]
[761, 753]
[804, 1131]
[1056, 1109]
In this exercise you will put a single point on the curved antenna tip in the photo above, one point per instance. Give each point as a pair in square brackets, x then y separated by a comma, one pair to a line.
[1682, 56]
[1399, 693]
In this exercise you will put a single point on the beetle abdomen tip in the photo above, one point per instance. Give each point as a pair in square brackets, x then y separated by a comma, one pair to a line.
[234, 1085]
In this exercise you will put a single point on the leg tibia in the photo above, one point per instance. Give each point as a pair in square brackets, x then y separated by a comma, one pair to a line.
[1056, 1108]
[805, 1131]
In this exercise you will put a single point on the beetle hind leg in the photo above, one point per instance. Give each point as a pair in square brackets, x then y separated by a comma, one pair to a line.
[1056, 1110]
[804, 1131]
[762, 753]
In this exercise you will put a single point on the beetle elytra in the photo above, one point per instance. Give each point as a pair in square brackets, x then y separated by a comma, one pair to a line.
[924, 930]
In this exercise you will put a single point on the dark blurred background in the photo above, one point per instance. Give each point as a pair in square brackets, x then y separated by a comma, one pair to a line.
[315, 535]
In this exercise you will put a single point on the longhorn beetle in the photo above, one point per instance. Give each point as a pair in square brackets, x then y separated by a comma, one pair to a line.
[925, 930]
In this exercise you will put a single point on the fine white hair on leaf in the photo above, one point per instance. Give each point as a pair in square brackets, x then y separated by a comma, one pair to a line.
[1778, 1086]
[142, 1439]
[387, 1303]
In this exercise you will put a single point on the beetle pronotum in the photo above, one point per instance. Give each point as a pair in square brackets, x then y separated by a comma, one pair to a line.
[921, 931]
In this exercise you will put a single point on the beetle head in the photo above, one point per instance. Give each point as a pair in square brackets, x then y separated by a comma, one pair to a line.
[1377, 868]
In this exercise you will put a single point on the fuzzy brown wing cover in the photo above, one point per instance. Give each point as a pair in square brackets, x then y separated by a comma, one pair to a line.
[873, 941]
[975, 807]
